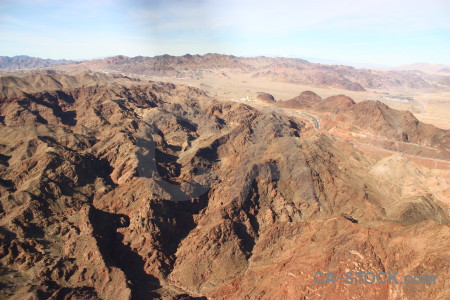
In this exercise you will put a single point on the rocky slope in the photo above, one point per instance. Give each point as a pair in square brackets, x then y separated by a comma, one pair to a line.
[373, 118]
[115, 189]
[48, 80]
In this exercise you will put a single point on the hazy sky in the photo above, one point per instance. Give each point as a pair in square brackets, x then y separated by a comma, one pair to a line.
[385, 32]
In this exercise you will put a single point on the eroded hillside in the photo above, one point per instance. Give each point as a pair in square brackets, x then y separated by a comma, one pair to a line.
[116, 189]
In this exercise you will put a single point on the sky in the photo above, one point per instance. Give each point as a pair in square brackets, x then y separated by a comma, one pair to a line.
[375, 32]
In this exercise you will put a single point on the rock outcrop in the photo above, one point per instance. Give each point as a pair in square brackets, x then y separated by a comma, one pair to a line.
[265, 97]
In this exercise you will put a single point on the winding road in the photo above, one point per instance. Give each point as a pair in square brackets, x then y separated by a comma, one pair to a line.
[315, 120]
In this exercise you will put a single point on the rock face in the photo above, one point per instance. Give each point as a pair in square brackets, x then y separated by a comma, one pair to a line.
[137, 190]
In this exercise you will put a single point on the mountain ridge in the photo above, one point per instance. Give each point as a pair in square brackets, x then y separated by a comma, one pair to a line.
[281, 69]
[24, 62]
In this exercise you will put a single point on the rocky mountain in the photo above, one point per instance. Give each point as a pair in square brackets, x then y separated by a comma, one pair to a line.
[270, 68]
[119, 189]
[265, 97]
[306, 99]
[22, 62]
[374, 118]
[48, 80]
[275, 69]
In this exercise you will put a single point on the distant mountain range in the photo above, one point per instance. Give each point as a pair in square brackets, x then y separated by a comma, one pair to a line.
[23, 62]
[425, 67]
[281, 69]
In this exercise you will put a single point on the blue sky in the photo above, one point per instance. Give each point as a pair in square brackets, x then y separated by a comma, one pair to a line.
[377, 32]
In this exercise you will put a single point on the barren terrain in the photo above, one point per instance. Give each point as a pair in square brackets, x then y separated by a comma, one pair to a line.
[431, 105]
[130, 182]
